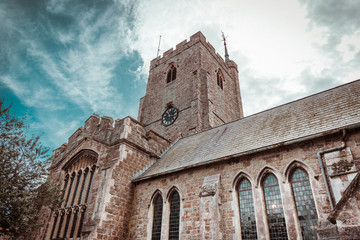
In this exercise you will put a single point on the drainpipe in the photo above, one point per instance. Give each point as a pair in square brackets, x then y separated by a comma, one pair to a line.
[319, 155]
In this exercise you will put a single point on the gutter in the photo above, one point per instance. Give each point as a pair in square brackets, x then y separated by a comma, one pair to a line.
[286, 143]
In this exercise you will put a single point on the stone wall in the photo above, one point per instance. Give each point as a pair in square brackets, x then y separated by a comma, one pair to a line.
[201, 103]
[278, 161]
[123, 148]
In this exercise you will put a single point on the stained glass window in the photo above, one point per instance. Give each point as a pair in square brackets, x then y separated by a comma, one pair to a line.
[247, 214]
[174, 216]
[157, 218]
[274, 208]
[305, 205]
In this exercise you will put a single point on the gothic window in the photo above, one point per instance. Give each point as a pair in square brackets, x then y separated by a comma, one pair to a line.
[157, 217]
[220, 79]
[247, 213]
[68, 220]
[171, 75]
[304, 202]
[274, 208]
[174, 220]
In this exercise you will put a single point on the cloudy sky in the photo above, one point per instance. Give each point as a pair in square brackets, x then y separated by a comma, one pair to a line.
[63, 60]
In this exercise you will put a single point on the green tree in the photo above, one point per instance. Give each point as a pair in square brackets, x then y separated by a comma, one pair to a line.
[23, 185]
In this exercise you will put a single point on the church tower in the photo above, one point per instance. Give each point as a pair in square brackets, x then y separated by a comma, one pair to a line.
[190, 89]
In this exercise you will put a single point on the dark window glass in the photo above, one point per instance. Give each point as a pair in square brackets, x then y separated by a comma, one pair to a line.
[53, 228]
[81, 223]
[65, 185]
[76, 187]
[173, 69]
[67, 223]
[168, 79]
[305, 205]
[247, 214]
[60, 224]
[70, 188]
[171, 75]
[274, 209]
[91, 178]
[157, 218]
[220, 79]
[83, 185]
[74, 225]
[174, 216]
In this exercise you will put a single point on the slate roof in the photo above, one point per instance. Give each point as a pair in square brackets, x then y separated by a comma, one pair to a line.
[332, 109]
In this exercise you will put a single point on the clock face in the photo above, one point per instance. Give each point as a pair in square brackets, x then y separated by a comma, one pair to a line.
[169, 116]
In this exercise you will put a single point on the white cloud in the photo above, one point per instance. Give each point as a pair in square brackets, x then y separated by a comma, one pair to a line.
[270, 40]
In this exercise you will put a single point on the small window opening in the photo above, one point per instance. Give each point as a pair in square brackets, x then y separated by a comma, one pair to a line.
[171, 75]
[220, 79]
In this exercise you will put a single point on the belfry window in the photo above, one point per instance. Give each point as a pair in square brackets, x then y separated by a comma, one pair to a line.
[157, 217]
[171, 74]
[274, 208]
[220, 79]
[304, 201]
[247, 213]
[174, 220]
[68, 220]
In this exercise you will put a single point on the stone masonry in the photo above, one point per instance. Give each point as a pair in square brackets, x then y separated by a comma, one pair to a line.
[111, 171]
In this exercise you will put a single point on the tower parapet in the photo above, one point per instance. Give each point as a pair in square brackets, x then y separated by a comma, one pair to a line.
[182, 46]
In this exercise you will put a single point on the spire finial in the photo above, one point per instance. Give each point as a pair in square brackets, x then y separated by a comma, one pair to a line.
[226, 52]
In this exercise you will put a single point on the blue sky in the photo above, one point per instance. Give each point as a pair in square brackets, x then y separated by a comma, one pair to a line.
[63, 60]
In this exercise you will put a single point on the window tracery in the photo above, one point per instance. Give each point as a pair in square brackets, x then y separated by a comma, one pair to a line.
[274, 209]
[157, 217]
[171, 74]
[247, 213]
[305, 205]
[174, 219]
[68, 219]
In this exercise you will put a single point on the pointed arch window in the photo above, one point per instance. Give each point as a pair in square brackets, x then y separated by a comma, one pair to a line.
[174, 219]
[157, 218]
[274, 208]
[68, 220]
[305, 205]
[171, 74]
[247, 213]
[220, 79]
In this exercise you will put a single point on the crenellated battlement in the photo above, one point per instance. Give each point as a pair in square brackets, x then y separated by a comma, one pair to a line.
[109, 132]
[180, 47]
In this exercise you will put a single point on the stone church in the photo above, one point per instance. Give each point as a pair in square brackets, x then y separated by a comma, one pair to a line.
[192, 166]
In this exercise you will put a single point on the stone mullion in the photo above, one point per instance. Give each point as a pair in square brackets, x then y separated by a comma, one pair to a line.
[52, 233]
[67, 191]
[83, 197]
[62, 230]
[67, 234]
[80, 212]
[77, 194]
[87, 190]
[72, 190]
[59, 226]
